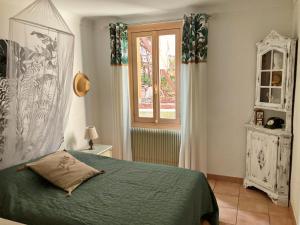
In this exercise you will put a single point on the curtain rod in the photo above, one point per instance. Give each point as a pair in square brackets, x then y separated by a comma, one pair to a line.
[161, 21]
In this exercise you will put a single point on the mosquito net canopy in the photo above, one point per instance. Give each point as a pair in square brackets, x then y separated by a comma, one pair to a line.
[40, 67]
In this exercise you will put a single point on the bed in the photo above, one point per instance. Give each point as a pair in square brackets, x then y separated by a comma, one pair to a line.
[129, 193]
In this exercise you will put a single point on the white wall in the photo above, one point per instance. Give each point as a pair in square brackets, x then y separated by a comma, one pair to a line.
[231, 81]
[233, 32]
[99, 101]
[6, 11]
[77, 120]
[74, 133]
[295, 181]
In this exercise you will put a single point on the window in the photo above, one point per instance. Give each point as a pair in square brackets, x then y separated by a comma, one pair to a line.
[154, 59]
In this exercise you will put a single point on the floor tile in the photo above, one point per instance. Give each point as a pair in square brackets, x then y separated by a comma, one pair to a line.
[279, 210]
[227, 201]
[253, 205]
[212, 184]
[240, 206]
[251, 218]
[227, 215]
[280, 220]
[227, 188]
[253, 193]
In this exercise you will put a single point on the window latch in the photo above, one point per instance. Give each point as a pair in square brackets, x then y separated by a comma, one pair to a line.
[155, 89]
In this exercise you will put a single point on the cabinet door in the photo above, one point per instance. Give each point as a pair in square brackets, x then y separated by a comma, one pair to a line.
[271, 71]
[263, 159]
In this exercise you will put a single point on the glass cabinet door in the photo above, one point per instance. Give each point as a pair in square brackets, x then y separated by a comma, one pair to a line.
[271, 78]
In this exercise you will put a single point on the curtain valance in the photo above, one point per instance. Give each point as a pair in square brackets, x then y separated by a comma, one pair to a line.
[194, 38]
[118, 43]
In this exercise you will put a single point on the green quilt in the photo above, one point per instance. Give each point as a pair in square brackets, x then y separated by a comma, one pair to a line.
[129, 193]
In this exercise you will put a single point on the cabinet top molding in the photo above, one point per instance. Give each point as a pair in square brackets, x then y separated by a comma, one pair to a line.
[275, 39]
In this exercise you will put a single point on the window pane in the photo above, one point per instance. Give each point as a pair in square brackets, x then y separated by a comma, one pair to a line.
[167, 76]
[264, 94]
[276, 78]
[277, 60]
[145, 76]
[276, 95]
[266, 61]
[265, 79]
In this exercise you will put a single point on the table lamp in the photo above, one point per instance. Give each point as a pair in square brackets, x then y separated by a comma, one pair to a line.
[91, 134]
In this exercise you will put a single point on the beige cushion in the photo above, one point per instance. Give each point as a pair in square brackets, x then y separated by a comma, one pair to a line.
[63, 170]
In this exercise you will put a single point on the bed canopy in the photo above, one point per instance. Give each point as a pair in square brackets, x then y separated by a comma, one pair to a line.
[40, 67]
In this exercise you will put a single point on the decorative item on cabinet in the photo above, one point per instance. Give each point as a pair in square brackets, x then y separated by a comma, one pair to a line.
[259, 117]
[269, 148]
[274, 123]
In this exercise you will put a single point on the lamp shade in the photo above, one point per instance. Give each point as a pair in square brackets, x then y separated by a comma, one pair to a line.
[91, 133]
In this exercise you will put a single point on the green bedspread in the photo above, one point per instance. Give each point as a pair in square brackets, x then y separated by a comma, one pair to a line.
[129, 193]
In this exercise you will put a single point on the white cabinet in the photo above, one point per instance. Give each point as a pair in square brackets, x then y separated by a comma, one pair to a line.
[269, 150]
[103, 150]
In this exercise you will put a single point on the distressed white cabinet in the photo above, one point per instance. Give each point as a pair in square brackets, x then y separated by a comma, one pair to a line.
[269, 150]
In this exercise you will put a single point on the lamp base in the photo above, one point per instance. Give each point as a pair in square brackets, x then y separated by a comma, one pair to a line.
[91, 144]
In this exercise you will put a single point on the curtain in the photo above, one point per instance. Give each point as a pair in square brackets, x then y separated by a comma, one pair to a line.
[193, 82]
[121, 96]
[40, 68]
[3, 95]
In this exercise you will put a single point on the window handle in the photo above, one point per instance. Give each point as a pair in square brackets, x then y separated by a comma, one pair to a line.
[155, 89]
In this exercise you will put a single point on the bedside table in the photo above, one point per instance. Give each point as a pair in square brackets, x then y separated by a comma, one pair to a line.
[8, 222]
[103, 150]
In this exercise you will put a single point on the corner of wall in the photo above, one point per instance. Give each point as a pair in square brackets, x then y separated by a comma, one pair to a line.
[295, 179]
[75, 128]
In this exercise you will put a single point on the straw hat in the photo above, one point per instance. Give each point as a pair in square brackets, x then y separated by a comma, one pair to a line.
[81, 84]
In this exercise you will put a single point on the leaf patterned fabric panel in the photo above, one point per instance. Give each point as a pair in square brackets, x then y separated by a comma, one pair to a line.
[3, 94]
[38, 72]
[194, 38]
[118, 43]
[39, 79]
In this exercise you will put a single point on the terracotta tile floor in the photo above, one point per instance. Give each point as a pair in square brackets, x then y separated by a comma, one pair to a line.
[240, 206]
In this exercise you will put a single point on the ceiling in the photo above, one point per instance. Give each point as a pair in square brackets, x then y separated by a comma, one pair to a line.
[118, 7]
[134, 7]
[125, 7]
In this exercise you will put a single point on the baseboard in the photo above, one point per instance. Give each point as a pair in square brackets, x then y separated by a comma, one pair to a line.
[293, 214]
[237, 180]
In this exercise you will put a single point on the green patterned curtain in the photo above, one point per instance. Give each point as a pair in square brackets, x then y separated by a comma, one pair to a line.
[118, 43]
[194, 38]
